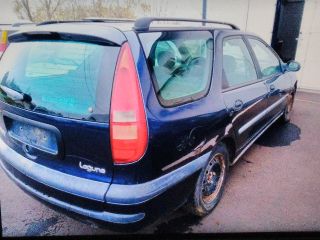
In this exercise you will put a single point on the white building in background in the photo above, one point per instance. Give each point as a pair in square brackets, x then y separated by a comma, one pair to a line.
[7, 14]
[308, 51]
[255, 16]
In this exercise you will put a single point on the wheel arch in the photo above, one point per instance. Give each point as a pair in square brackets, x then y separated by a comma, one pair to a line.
[230, 143]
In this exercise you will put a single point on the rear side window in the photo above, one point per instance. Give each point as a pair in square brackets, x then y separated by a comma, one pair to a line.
[180, 63]
[63, 78]
[268, 62]
[238, 67]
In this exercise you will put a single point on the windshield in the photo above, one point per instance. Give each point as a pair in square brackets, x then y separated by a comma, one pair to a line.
[63, 78]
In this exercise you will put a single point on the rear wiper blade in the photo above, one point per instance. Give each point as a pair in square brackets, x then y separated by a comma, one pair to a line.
[15, 95]
[45, 110]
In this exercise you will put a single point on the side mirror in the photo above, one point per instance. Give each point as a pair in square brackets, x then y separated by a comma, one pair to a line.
[293, 66]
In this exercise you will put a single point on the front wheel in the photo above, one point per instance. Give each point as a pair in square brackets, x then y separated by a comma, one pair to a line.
[210, 183]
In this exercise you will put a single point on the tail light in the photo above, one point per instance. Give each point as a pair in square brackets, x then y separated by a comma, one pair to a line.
[128, 127]
[3, 41]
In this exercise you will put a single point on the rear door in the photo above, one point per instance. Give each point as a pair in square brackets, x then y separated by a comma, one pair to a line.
[244, 94]
[62, 121]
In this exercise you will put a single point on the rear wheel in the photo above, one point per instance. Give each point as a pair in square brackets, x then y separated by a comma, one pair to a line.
[286, 117]
[210, 183]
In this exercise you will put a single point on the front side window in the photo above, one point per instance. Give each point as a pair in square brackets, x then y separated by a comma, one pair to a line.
[267, 60]
[238, 67]
[180, 63]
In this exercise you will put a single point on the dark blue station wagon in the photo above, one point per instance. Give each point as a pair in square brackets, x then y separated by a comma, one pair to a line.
[122, 121]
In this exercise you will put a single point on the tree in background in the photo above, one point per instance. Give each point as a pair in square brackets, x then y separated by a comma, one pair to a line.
[43, 10]
[36, 10]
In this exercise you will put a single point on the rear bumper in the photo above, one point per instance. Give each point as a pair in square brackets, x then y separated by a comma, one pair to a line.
[99, 215]
[119, 204]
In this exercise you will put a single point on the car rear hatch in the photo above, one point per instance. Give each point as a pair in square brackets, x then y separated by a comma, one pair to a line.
[55, 91]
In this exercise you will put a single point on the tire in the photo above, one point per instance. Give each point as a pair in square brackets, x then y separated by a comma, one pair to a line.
[203, 200]
[286, 116]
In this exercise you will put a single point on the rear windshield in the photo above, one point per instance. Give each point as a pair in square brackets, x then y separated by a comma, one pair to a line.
[63, 78]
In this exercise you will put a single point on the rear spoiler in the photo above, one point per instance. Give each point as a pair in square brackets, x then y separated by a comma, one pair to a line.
[105, 35]
[48, 35]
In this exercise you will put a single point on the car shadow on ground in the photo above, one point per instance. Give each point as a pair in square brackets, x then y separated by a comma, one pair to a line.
[280, 135]
[182, 222]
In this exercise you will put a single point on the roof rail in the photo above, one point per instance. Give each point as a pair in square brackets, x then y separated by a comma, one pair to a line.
[90, 19]
[101, 19]
[21, 24]
[143, 24]
[58, 21]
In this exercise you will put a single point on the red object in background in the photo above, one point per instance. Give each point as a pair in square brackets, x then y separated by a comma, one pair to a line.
[3, 41]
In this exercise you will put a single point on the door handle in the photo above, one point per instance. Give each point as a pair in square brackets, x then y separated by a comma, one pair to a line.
[238, 104]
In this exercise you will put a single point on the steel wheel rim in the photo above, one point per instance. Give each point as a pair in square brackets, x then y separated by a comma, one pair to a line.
[213, 179]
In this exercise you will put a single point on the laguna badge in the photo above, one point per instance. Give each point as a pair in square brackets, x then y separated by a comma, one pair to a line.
[90, 169]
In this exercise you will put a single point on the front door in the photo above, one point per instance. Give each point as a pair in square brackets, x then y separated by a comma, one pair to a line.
[244, 95]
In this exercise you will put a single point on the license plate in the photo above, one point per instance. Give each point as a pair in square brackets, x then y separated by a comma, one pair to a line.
[41, 139]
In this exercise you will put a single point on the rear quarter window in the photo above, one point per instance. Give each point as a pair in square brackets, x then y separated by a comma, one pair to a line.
[180, 63]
